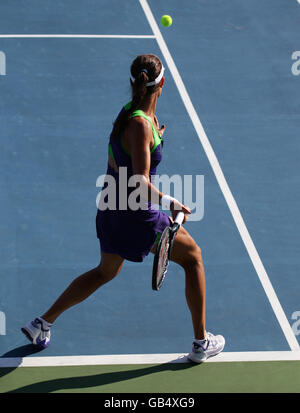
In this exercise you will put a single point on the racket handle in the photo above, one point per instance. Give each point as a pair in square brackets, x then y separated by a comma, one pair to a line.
[179, 218]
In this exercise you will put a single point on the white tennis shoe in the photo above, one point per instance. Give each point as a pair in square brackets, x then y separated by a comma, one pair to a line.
[212, 346]
[38, 332]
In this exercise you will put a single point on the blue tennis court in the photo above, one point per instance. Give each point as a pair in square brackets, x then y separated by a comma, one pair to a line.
[231, 109]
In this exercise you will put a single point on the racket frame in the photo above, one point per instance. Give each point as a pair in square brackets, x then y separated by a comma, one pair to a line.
[172, 230]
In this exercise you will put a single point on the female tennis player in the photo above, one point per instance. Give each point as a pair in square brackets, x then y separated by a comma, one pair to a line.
[136, 144]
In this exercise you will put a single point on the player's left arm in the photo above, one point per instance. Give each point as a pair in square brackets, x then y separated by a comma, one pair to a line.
[139, 139]
[139, 144]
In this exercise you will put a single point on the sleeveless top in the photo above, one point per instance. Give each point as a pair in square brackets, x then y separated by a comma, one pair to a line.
[121, 156]
[126, 232]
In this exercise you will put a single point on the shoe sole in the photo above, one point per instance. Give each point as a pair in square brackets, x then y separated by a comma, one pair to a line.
[25, 332]
[195, 360]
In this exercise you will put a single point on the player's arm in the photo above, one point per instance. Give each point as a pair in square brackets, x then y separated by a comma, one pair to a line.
[139, 141]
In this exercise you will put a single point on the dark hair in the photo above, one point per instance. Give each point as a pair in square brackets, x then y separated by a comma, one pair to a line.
[145, 68]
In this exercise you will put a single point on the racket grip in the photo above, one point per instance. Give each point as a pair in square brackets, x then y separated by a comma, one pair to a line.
[179, 218]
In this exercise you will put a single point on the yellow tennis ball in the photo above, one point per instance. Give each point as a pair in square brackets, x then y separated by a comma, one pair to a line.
[166, 20]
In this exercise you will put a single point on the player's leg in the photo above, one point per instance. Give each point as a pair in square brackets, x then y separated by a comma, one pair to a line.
[84, 285]
[187, 254]
[38, 330]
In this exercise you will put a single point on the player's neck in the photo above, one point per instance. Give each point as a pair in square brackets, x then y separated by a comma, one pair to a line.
[149, 105]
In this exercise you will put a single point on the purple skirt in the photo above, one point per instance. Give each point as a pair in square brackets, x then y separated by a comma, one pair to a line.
[130, 234]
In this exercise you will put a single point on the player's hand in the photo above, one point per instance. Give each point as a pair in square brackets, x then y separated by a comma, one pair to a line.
[162, 130]
[177, 207]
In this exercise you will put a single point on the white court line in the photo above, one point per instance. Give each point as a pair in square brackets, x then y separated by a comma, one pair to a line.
[80, 36]
[253, 254]
[146, 359]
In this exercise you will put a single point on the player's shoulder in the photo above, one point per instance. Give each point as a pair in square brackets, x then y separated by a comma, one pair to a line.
[140, 125]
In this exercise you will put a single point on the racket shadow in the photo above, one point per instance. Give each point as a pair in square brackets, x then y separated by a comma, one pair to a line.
[102, 379]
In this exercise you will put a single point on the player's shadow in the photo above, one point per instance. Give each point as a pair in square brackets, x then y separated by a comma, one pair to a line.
[101, 379]
[22, 351]
[17, 354]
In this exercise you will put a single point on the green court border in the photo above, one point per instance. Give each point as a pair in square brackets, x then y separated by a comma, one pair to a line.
[233, 377]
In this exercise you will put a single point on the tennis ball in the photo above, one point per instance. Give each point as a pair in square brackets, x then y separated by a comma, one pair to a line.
[166, 20]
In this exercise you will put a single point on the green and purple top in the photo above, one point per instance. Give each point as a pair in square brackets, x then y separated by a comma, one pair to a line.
[126, 232]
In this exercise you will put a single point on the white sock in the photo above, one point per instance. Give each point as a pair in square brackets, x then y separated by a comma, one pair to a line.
[45, 323]
[201, 342]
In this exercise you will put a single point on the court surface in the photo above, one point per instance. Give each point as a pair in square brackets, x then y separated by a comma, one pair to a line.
[231, 109]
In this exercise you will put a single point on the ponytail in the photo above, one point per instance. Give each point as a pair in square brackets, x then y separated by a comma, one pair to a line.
[145, 68]
[139, 90]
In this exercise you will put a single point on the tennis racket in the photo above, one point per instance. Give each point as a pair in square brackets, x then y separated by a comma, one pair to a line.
[163, 252]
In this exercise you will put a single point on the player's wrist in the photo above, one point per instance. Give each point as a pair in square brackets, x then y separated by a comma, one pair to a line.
[166, 201]
[170, 203]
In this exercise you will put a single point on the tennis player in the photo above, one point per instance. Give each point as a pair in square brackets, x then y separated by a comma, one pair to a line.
[136, 143]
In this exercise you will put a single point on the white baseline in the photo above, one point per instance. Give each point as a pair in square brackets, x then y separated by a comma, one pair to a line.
[145, 359]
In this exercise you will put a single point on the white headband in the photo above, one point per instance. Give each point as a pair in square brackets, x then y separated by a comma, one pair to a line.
[155, 81]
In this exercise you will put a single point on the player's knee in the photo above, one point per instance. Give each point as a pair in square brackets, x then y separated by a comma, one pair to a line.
[107, 273]
[192, 259]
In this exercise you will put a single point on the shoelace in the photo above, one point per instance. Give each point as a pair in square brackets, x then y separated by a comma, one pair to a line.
[212, 339]
[38, 324]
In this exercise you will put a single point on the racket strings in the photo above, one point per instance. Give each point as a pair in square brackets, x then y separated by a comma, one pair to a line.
[163, 261]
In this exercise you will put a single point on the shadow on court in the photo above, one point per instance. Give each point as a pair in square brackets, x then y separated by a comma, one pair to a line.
[88, 381]
[22, 351]
[18, 352]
